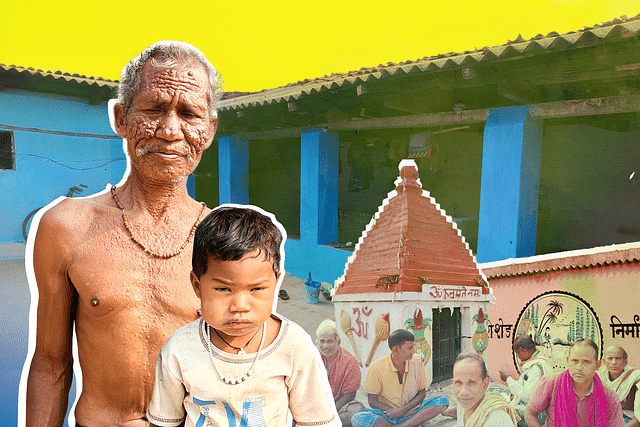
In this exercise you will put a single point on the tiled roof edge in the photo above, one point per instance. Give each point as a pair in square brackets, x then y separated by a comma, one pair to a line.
[57, 74]
[569, 260]
[631, 26]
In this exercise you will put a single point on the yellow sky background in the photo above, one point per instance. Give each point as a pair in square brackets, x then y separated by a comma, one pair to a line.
[261, 45]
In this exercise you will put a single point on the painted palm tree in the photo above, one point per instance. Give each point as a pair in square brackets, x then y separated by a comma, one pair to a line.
[552, 313]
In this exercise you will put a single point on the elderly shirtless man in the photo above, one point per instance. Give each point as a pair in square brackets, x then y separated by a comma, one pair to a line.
[117, 264]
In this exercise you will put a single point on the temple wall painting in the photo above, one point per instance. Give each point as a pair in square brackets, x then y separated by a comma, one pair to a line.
[558, 299]
[364, 326]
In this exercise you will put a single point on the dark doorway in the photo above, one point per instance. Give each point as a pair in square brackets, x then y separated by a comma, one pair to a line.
[446, 342]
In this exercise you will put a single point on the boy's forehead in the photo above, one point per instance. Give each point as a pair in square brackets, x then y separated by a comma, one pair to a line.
[250, 262]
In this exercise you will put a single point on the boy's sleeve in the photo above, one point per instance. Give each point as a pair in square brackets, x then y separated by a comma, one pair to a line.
[310, 399]
[166, 407]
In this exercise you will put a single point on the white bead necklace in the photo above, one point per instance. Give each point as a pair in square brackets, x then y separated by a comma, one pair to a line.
[255, 359]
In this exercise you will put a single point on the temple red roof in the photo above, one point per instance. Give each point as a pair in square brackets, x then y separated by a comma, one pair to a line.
[409, 242]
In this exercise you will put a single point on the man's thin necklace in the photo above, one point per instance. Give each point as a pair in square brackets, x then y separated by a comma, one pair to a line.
[255, 359]
[239, 349]
[127, 226]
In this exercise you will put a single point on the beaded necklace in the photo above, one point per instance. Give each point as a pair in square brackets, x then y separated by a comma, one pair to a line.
[127, 226]
[255, 359]
[239, 349]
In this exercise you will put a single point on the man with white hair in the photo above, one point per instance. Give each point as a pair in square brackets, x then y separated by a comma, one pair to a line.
[343, 370]
[115, 266]
[623, 379]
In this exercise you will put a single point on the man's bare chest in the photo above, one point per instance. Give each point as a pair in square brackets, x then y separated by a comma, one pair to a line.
[111, 274]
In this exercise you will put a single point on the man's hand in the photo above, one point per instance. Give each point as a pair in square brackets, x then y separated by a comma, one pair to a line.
[395, 412]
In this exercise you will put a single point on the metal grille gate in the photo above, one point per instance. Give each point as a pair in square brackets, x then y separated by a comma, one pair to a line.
[446, 342]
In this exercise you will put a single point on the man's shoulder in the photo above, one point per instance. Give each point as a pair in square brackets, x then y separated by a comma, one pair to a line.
[69, 213]
[498, 418]
[380, 364]
[547, 383]
[350, 358]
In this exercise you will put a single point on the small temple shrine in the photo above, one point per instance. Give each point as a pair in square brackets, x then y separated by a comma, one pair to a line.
[412, 269]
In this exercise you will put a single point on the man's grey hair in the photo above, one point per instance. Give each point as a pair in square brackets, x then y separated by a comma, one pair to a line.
[166, 54]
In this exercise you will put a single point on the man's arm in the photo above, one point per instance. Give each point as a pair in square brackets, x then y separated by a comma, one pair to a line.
[375, 403]
[51, 370]
[344, 399]
[531, 417]
[415, 402]
[523, 387]
[390, 412]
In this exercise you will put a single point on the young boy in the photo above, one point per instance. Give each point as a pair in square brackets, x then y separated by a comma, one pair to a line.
[240, 364]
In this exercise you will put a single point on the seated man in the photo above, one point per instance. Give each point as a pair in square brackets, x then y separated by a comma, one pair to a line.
[476, 407]
[622, 379]
[343, 370]
[576, 397]
[395, 387]
[533, 366]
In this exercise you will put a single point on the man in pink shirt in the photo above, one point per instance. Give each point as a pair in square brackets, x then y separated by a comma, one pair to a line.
[576, 397]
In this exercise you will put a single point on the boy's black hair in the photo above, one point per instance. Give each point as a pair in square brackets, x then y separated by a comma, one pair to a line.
[399, 337]
[229, 233]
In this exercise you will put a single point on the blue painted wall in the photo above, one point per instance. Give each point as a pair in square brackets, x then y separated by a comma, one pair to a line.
[325, 263]
[319, 187]
[46, 164]
[510, 185]
[233, 164]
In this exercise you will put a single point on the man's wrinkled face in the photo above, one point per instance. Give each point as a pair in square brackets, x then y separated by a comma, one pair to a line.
[614, 361]
[168, 125]
[582, 363]
[328, 342]
[468, 385]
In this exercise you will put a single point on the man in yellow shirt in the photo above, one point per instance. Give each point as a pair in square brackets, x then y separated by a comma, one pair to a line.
[395, 387]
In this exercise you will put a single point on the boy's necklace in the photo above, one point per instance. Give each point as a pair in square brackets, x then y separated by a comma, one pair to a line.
[255, 359]
[239, 349]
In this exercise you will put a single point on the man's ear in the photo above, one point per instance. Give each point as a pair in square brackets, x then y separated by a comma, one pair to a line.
[598, 363]
[195, 282]
[485, 384]
[119, 121]
[213, 126]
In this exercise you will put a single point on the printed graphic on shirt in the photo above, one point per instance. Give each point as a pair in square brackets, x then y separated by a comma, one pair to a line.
[251, 416]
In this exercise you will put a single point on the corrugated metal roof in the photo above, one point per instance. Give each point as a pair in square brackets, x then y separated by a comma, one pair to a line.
[606, 32]
[409, 243]
[59, 75]
[627, 253]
